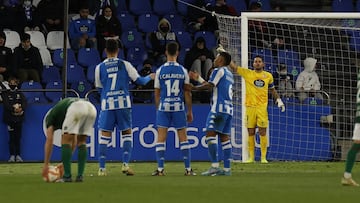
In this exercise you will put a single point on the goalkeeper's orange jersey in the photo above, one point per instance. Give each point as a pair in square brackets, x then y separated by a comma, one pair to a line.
[257, 86]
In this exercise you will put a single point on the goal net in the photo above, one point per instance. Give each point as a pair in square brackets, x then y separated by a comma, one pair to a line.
[317, 127]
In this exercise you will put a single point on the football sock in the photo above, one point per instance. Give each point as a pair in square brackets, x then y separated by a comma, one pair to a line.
[104, 141]
[185, 151]
[127, 147]
[82, 156]
[351, 156]
[213, 149]
[263, 146]
[160, 154]
[66, 153]
[251, 147]
[226, 147]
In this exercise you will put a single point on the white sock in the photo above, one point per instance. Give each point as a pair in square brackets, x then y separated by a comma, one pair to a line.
[347, 175]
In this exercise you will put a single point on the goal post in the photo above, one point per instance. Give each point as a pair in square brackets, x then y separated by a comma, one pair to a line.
[320, 127]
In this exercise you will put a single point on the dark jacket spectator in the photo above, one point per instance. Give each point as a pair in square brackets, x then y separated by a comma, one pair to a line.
[27, 17]
[27, 60]
[52, 15]
[145, 96]
[5, 58]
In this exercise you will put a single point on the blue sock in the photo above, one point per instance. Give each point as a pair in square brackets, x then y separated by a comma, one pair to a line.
[226, 147]
[185, 151]
[160, 154]
[213, 149]
[127, 147]
[103, 142]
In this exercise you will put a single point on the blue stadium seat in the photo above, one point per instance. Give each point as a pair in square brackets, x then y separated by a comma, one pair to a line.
[75, 73]
[342, 6]
[164, 7]
[239, 5]
[58, 57]
[313, 101]
[138, 7]
[181, 57]
[357, 6]
[184, 39]
[127, 21]
[81, 87]
[354, 41]
[54, 96]
[50, 73]
[136, 55]
[132, 38]
[209, 37]
[148, 22]
[176, 22]
[289, 57]
[122, 6]
[182, 8]
[88, 57]
[33, 96]
[90, 73]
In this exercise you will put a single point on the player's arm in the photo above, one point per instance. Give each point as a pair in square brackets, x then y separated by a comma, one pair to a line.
[157, 97]
[277, 99]
[188, 102]
[134, 75]
[48, 148]
[204, 85]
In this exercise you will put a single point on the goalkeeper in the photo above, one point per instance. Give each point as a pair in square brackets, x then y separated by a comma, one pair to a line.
[258, 83]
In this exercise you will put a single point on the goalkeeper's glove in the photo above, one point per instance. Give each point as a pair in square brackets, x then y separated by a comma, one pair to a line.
[280, 104]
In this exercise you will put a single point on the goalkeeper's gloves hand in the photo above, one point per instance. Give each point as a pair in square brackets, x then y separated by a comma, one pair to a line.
[220, 49]
[280, 104]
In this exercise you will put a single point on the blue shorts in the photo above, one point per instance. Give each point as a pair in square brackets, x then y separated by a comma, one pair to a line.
[176, 119]
[219, 122]
[121, 118]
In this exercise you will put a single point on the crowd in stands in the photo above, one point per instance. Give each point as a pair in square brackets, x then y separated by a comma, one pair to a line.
[143, 28]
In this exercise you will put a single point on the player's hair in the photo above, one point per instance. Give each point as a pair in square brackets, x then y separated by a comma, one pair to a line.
[227, 58]
[112, 45]
[172, 48]
[258, 56]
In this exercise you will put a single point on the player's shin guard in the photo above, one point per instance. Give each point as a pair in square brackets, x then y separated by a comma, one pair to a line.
[213, 149]
[160, 154]
[82, 156]
[103, 142]
[66, 152]
[226, 147]
[263, 146]
[127, 147]
[351, 157]
[251, 147]
[185, 151]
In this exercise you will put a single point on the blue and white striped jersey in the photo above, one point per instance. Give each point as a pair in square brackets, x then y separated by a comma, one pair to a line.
[112, 76]
[223, 81]
[170, 79]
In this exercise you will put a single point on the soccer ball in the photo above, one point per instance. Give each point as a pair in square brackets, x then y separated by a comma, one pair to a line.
[54, 173]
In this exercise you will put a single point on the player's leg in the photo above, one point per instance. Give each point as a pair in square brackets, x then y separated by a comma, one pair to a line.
[351, 158]
[263, 123]
[106, 123]
[226, 144]
[124, 123]
[66, 154]
[11, 131]
[162, 122]
[82, 156]
[251, 124]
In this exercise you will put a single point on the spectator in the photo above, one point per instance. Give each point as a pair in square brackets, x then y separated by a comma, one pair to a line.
[27, 60]
[200, 19]
[8, 11]
[5, 58]
[27, 18]
[145, 96]
[52, 14]
[14, 106]
[97, 7]
[159, 39]
[284, 81]
[107, 26]
[308, 82]
[199, 58]
[258, 30]
[82, 30]
[220, 7]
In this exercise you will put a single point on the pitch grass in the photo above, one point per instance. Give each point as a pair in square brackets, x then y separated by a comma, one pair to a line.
[276, 182]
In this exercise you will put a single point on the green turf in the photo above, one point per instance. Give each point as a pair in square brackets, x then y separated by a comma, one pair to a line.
[276, 182]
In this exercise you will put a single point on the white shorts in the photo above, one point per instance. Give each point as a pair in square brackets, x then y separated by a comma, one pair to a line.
[80, 118]
[356, 132]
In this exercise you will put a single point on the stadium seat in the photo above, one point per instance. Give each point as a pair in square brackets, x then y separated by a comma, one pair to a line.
[88, 57]
[75, 73]
[164, 7]
[12, 39]
[54, 96]
[122, 6]
[33, 96]
[138, 7]
[209, 37]
[81, 87]
[184, 39]
[313, 101]
[239, 5]
[50, 74]
[176, 22]
[148, 22]
[182, 54]
[354, 41]
[132, 38]
[37, 39]
[127, 21]
[90, 73]
[182, 8]
[289, 57]
[55, 40]
[136, 55]
[58, 57]
[342, 6]
[45, 56]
